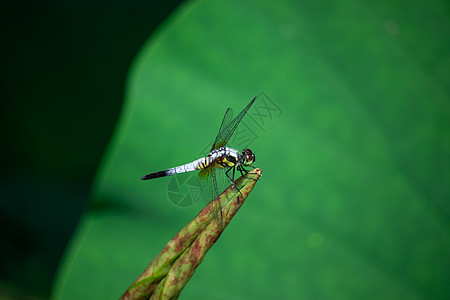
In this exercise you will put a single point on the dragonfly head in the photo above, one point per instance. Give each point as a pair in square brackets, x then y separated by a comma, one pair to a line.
[249, 157]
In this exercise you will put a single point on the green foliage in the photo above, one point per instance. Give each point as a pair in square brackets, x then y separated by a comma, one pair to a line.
[353, 203]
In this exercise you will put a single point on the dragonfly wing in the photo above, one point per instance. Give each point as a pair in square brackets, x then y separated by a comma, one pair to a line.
[227, 128]
[212, 180]
[208, 183]
[225, 121]
[210, 189]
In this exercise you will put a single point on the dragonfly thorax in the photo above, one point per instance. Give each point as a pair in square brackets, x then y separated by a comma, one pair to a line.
[228, 157]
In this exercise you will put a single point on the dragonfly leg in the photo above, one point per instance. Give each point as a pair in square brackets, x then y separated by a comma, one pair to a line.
[244, 172]
[232, 179]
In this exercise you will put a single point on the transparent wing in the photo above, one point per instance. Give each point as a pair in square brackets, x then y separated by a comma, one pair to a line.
[208, 183]
[213, 181]
[210, 188]
[225, 121]
[228, 126]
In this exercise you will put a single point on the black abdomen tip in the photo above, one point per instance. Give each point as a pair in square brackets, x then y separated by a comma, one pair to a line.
[154, 175]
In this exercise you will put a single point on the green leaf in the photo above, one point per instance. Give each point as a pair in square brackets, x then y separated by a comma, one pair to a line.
[352, 132]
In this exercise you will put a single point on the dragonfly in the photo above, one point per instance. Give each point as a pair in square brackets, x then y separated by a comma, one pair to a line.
[220, 157]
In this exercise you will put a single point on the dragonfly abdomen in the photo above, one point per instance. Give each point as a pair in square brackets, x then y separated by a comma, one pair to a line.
[203, 162]
[198, 164]
[155, 175]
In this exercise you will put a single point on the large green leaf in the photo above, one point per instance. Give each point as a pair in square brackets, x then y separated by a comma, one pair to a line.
[354, 199]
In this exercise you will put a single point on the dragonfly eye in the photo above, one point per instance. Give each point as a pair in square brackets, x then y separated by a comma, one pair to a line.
[249, 156]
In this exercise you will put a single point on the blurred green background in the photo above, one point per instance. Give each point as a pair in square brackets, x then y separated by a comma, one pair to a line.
[353, 203]
[63, 69]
